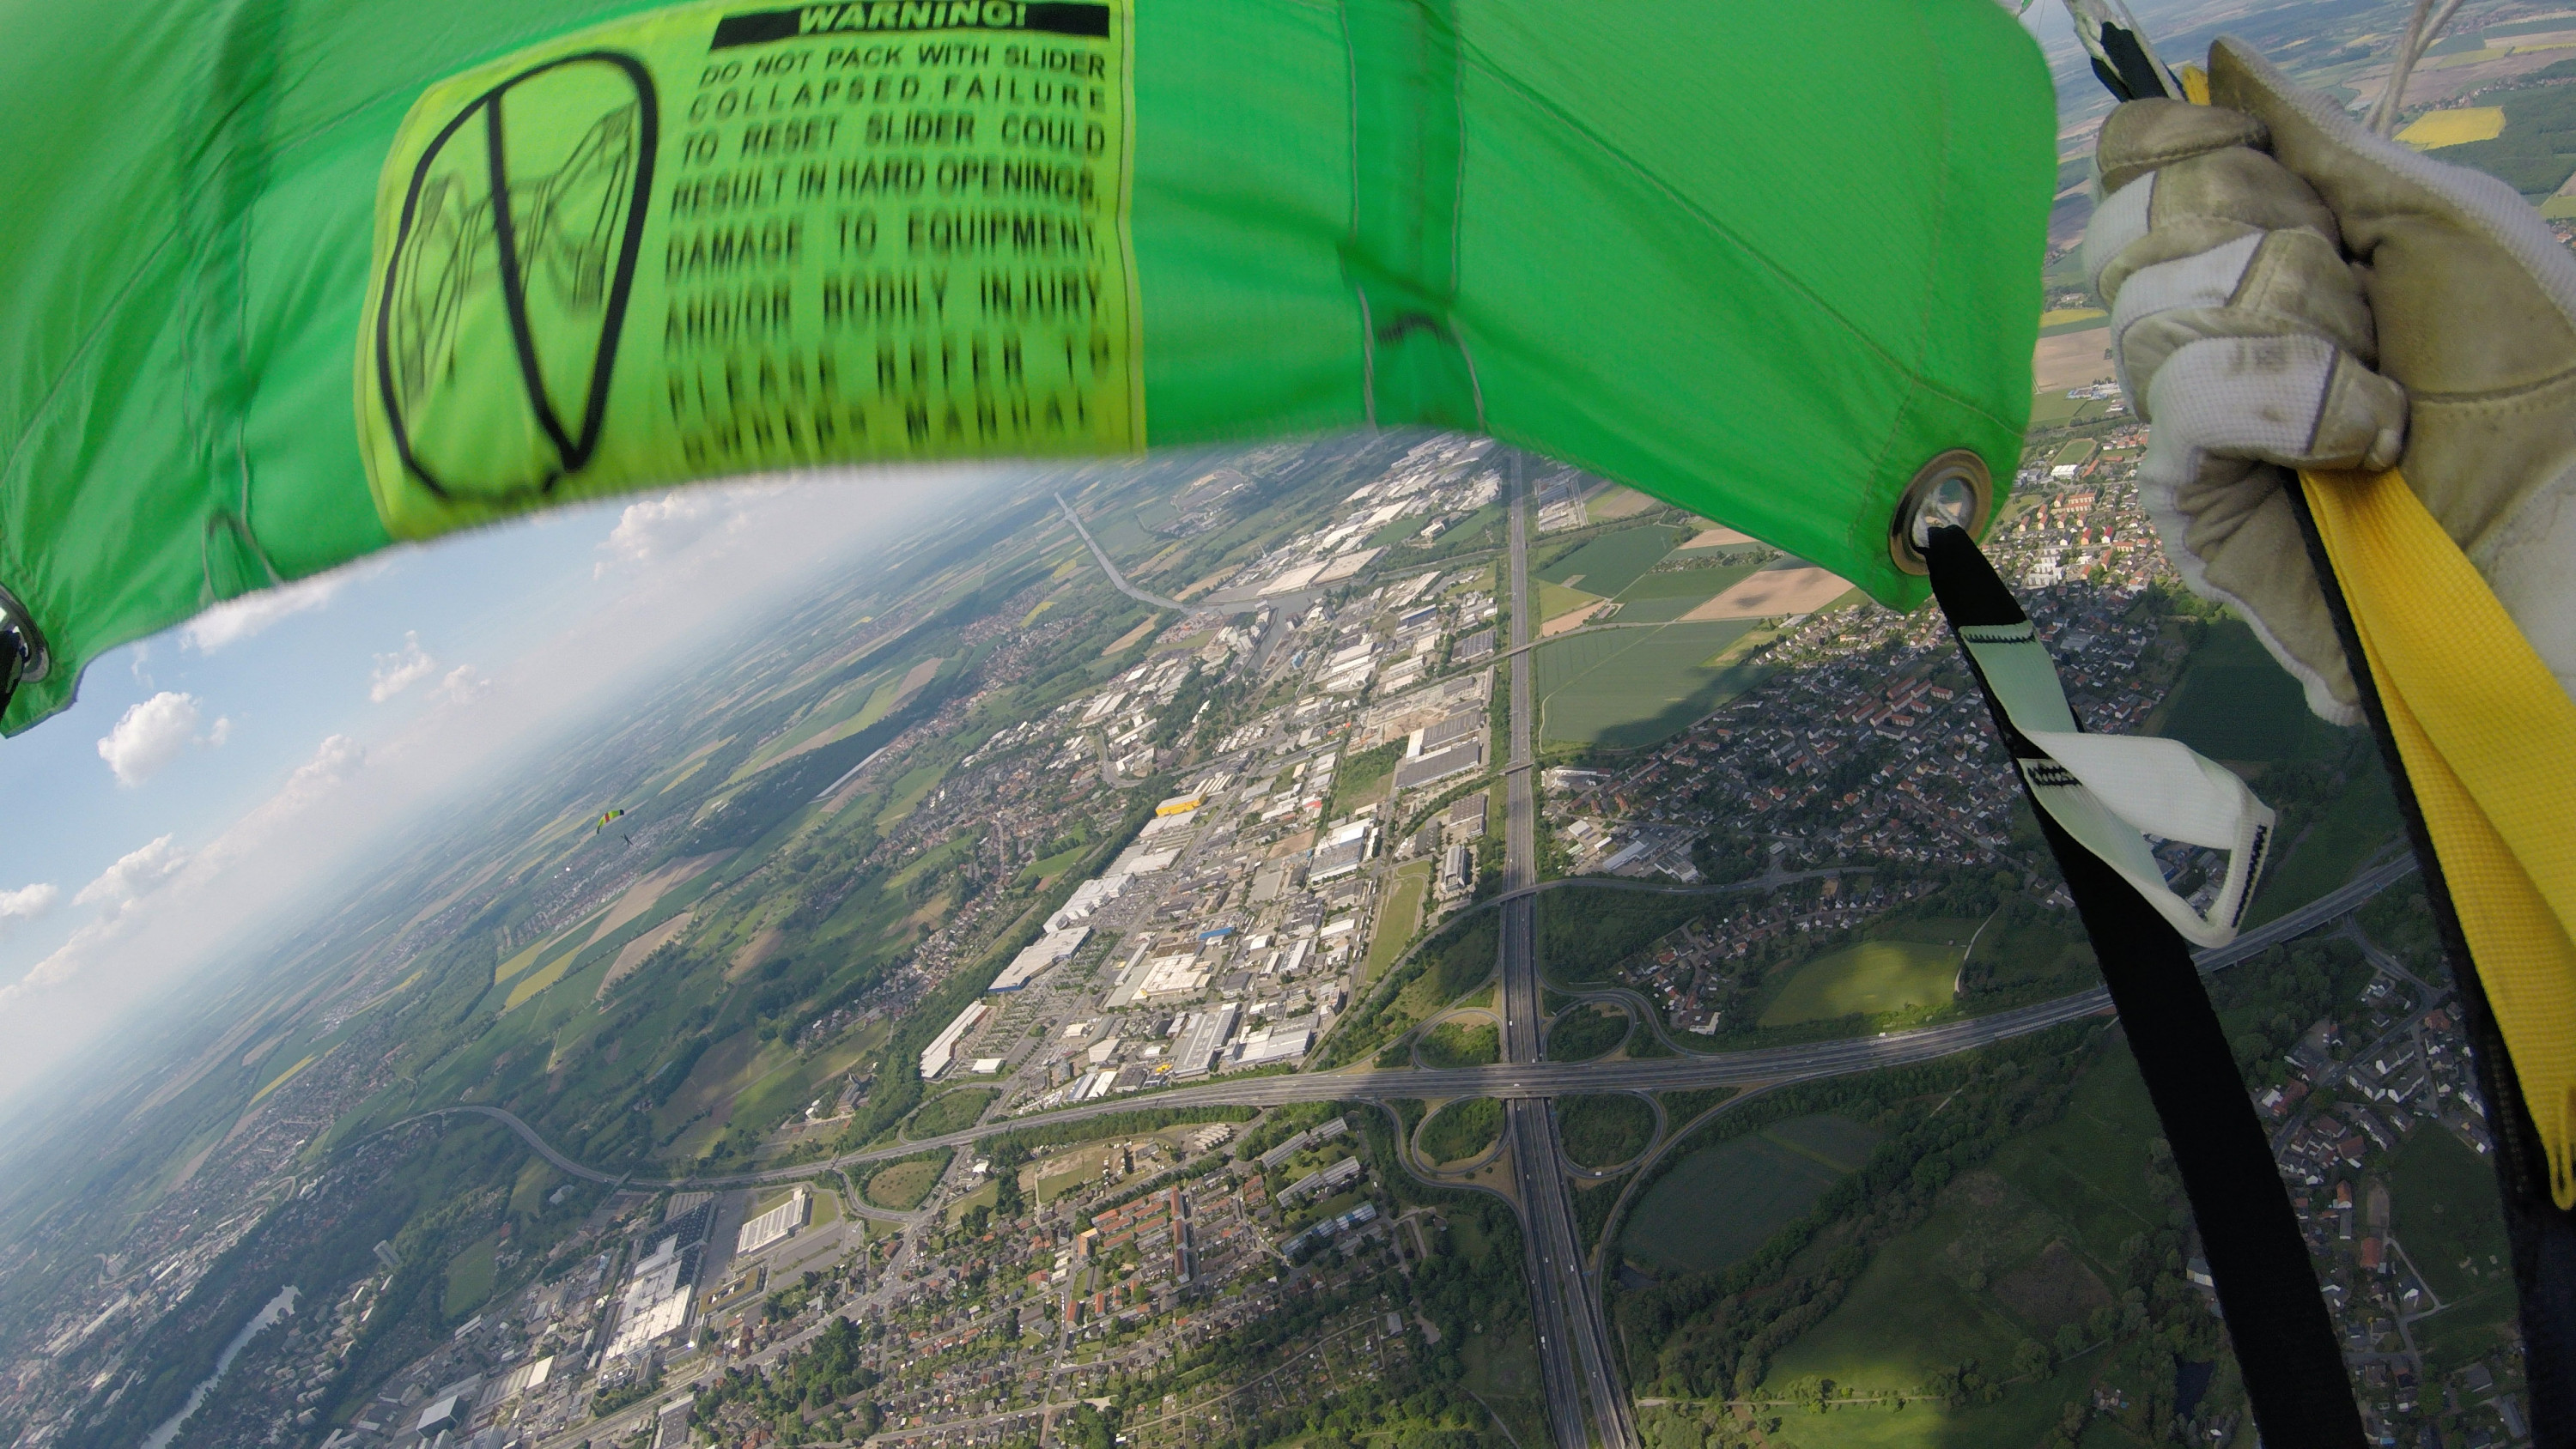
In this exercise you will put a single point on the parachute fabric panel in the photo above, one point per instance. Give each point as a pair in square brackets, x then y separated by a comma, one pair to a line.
[1635, 237]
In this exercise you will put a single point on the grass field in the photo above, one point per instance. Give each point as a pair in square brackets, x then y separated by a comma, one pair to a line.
[1699, 583]
[1633, 687]
[950, 1111]
[904, 1184]
[1616, 502]
[2088, 1167]
[2055, 409]
[1462, 1129]
[1038, 871]
[1451, 1044]
[1662, 598]
[1865, 980]
[1613, 561]
[1557, 599]
[2023, 1416]
[1397, 923]
[1722, 1202]
[908, 792]
[2012, 1251]
[2235, 703]
[986, 1197]
[2444, 1213]
[1604, 1130]
[469, 1278]
[1586, 1032]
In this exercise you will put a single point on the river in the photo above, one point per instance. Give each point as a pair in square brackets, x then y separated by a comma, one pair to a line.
[277, 1308]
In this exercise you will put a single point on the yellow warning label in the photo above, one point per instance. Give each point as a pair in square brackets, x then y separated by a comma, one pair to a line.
[712, 240]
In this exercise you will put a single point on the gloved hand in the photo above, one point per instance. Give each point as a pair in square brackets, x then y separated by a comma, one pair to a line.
[2289, 290]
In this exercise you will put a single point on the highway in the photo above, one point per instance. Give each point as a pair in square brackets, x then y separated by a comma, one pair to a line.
[1573, 1337]
[1520, 1078]
[1118, 580]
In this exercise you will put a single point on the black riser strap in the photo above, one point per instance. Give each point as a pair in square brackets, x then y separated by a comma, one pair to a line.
[2283, 1336]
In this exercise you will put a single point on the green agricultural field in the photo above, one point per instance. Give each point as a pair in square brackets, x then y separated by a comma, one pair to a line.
[2445, 1214]
[1398, 921]
[1989, 1268]
[1723, 1201]
[1836, 1142]
[1605, 1129]
[1555, 599]
[900, 1186]
[950, 1112]
[1865, 980]
[2022, 947]
[1660, 598]
[1054, 865]
[1630, 688]
[2234, 703]
[1462, 1130]
[1704, 582]
[469, 1278]
[1452, 1044]
[2538, 148]
[1586, 1032]
[1613, 561]
[2024, 1415]
[909, 791]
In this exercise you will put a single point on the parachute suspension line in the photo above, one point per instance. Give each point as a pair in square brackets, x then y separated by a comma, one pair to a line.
[2283, 1339]
[2423, 27]
[2540, 1234]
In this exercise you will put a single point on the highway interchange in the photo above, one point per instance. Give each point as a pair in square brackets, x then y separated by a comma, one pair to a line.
[1578, 1366]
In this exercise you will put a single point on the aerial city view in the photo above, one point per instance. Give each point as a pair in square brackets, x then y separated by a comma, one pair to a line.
[1371, 939]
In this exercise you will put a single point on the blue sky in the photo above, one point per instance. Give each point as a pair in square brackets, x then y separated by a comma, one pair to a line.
[211, 778]
[280, 689]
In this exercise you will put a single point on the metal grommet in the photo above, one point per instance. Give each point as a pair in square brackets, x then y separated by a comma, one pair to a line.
[1954, 488]
[20, 625]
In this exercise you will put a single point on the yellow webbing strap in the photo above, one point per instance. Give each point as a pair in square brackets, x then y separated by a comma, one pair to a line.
[2489, 741]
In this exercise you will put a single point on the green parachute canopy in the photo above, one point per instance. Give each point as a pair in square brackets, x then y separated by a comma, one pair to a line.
[283, 281]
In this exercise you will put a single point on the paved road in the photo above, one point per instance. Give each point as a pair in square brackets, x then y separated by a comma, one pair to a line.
[1117, 579]
[1546, 1215]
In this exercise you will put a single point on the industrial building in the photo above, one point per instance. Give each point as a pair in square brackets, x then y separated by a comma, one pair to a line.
[1046, 951]
[776, 1225]
[942, 1051]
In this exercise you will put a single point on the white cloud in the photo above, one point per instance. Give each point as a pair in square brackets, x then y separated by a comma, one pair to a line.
[26, 903]
[399, 670]
[136, 874]
[198, 884]
[332, 764]
[655, 527]
[152, 734]
[462, 685]
[238, 619]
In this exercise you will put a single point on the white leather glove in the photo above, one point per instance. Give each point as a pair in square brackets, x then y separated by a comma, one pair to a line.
[2289, 290]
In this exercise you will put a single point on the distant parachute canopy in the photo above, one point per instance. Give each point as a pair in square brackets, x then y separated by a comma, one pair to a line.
[602, 823]
[312, 276]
